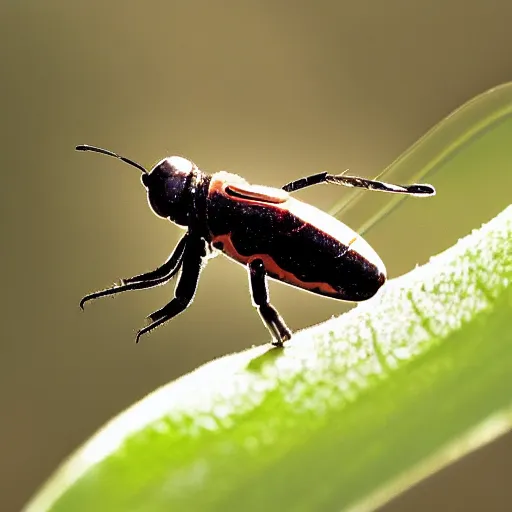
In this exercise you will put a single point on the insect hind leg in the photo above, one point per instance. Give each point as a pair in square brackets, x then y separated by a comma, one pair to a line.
[314, 179]
[415, 189]
[271, 318]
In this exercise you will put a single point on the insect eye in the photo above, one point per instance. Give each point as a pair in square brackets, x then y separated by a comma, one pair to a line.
[175, 185]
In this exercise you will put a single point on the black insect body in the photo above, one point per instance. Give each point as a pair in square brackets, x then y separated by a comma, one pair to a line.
[262, 228]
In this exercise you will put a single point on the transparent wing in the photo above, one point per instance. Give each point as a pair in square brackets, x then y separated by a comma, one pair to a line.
[362, 210]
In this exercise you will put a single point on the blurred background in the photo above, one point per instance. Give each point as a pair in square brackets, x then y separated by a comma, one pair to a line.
[272, 90]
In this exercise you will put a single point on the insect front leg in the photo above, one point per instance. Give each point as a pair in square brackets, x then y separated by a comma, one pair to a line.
[192, 263]
[171, 265]
[160, 275]
[260, 298]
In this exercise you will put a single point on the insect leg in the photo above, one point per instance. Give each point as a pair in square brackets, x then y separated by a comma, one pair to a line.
[259, 291]
[416, 189]
[166, 268]
[148, 280]
[185, 289]
[314, 179]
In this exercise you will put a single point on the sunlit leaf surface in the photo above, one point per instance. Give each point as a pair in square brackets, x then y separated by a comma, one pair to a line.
[353, 410]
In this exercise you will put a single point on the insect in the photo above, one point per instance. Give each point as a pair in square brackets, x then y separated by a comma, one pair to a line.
[265, 229]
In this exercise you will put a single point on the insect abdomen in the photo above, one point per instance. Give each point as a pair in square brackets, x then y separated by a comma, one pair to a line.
[298, 244]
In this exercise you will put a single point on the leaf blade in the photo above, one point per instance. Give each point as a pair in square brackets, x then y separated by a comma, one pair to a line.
[334, 420]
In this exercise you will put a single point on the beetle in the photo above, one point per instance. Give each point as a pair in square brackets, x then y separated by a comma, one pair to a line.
[263, 228]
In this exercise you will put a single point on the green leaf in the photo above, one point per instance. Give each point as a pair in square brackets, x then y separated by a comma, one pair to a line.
[350, 412]
[468, 152]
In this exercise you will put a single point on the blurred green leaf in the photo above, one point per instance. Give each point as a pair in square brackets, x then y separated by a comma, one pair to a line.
[478, 132]
[348, 414]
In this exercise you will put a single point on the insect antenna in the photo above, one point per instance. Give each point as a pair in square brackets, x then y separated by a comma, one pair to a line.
[94, 149]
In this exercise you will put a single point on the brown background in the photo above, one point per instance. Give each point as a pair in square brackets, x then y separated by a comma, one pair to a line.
[272, 90]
